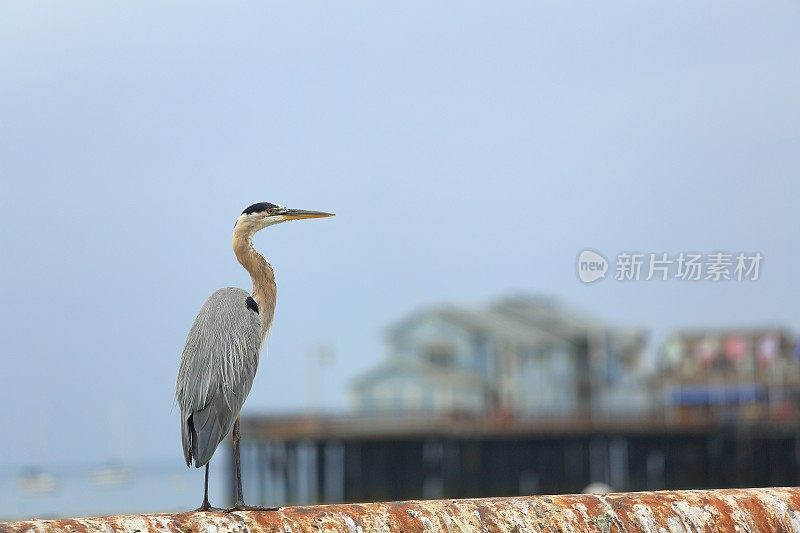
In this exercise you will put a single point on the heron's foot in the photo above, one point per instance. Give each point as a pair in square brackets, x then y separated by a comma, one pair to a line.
[208, 508]
[245, 507]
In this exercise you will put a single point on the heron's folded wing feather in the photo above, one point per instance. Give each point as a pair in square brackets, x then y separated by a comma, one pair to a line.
[186, 439]
[211, 424]
[217, 369]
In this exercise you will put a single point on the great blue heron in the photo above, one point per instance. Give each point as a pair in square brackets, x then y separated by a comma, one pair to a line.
[221, 353]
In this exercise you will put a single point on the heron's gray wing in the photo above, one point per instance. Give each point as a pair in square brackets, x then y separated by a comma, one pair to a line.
[207, 428]
[217, 369]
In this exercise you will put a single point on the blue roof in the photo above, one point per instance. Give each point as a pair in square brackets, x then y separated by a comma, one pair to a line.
[715, 395]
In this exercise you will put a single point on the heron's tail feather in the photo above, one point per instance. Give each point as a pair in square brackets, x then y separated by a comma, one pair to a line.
[209, 426]
[187, 432]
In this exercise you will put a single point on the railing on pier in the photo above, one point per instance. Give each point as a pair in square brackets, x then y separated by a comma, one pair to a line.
[745, 510]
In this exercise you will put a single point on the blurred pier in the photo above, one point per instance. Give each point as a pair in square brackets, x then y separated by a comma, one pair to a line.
[306, 459]
[527, 395]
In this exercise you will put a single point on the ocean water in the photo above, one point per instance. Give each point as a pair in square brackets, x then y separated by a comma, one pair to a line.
[52, 491]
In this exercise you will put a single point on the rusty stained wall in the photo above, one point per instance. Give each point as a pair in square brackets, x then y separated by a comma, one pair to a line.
[732, 510]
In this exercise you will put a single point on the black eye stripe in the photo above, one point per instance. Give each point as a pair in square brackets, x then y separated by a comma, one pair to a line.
[260, 208]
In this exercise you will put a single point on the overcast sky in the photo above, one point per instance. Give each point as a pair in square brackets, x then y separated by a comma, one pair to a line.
[469, 149]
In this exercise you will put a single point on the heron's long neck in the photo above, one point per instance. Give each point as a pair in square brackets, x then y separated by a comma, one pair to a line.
[264, 290]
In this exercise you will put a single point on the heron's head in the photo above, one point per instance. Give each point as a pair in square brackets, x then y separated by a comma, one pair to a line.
[259, 216]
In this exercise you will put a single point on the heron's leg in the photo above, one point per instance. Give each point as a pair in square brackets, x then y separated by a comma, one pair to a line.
[237, 462]
[206, 506]
[205, 487]
[239, 505]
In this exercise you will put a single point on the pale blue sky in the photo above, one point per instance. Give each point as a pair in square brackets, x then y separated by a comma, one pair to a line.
[470, 150]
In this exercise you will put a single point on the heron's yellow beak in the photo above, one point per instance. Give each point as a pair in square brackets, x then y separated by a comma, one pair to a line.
[297, 214]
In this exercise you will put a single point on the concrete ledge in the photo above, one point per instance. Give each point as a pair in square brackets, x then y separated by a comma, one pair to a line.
[744, 510]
